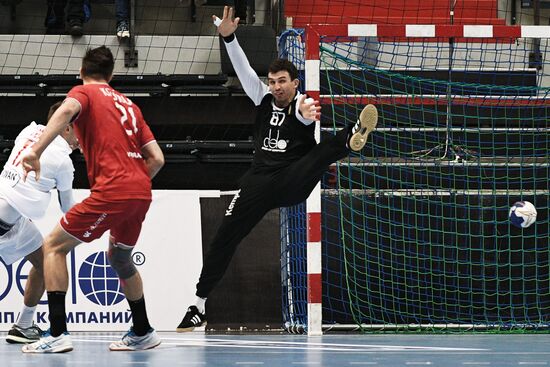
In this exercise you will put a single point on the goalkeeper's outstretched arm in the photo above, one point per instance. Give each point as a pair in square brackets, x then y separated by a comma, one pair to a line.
[251, 83]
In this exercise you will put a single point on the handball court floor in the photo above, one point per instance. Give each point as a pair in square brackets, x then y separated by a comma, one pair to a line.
[273, 349]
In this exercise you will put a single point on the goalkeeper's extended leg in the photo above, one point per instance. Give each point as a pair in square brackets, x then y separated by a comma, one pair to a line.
[302, 176]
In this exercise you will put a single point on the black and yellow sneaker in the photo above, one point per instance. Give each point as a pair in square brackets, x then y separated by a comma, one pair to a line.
[192, 319]
[24, 335]
[364, 126]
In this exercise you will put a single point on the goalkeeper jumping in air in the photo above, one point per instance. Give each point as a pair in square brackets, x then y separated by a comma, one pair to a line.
[287, 162]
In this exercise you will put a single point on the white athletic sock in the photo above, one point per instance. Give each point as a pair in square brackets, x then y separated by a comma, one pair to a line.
[200, 302]
[26, 317]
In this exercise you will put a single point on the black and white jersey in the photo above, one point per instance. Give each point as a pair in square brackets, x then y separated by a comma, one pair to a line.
[281, 135]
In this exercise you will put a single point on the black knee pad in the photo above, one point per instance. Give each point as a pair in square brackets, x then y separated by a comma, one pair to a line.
[121, 260]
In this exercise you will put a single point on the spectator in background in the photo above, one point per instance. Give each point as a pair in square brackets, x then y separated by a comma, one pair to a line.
[122, 18]
[55, 17]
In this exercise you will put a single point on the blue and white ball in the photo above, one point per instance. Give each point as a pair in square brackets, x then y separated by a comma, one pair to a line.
[523, 214]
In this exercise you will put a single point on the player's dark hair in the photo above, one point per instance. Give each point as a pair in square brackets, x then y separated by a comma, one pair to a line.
[53, 108]
[98, 63]
[284, 65]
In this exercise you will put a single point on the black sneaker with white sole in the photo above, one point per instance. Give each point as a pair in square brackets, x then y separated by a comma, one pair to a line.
[24, 335]
[192, 319]
[364, 126]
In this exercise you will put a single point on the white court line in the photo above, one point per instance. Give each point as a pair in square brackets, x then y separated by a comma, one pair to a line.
[23, 362]
[305, 348]
[83, 362]
[418, 363]
[249, 363]
[533, 363]
[264, 344]
[366, 349]
[251, 342]
[306, 344]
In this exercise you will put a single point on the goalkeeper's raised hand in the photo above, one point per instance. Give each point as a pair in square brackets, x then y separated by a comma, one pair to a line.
[227, 25]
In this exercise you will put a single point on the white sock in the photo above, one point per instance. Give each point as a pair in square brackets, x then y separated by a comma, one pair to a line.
[26, 317]
[200, 302]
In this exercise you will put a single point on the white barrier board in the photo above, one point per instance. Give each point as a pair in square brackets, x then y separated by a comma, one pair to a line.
[168, 255]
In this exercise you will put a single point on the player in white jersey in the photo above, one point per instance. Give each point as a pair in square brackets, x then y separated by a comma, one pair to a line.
[24, 201]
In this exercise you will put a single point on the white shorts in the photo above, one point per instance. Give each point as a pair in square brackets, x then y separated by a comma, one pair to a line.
[22, 239]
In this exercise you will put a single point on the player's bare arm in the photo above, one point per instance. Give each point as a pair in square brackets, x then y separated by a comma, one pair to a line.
[58, 122]
[154, 158]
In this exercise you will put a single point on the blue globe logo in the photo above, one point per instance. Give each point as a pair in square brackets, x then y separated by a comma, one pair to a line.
[98, 281]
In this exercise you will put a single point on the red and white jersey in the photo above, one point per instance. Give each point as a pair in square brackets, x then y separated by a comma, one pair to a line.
[111, 132]
[31, 198]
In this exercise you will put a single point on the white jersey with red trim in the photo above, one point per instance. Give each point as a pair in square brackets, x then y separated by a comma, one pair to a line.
[31, 198]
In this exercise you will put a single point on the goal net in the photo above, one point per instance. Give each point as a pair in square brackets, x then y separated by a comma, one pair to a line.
[414, 229]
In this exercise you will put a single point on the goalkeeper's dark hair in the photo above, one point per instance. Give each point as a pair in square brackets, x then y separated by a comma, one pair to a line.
[284, 65]
[98, 63]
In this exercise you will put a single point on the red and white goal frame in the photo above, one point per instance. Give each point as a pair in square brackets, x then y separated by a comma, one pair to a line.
[425, 32]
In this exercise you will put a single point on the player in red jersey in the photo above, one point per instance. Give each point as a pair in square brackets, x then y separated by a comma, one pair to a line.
[122, 156]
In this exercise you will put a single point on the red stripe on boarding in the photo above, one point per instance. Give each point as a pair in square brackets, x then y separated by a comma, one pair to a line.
[314, 288]
[313, 227]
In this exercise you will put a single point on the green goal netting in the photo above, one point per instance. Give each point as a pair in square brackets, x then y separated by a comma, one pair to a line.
[415, 228]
